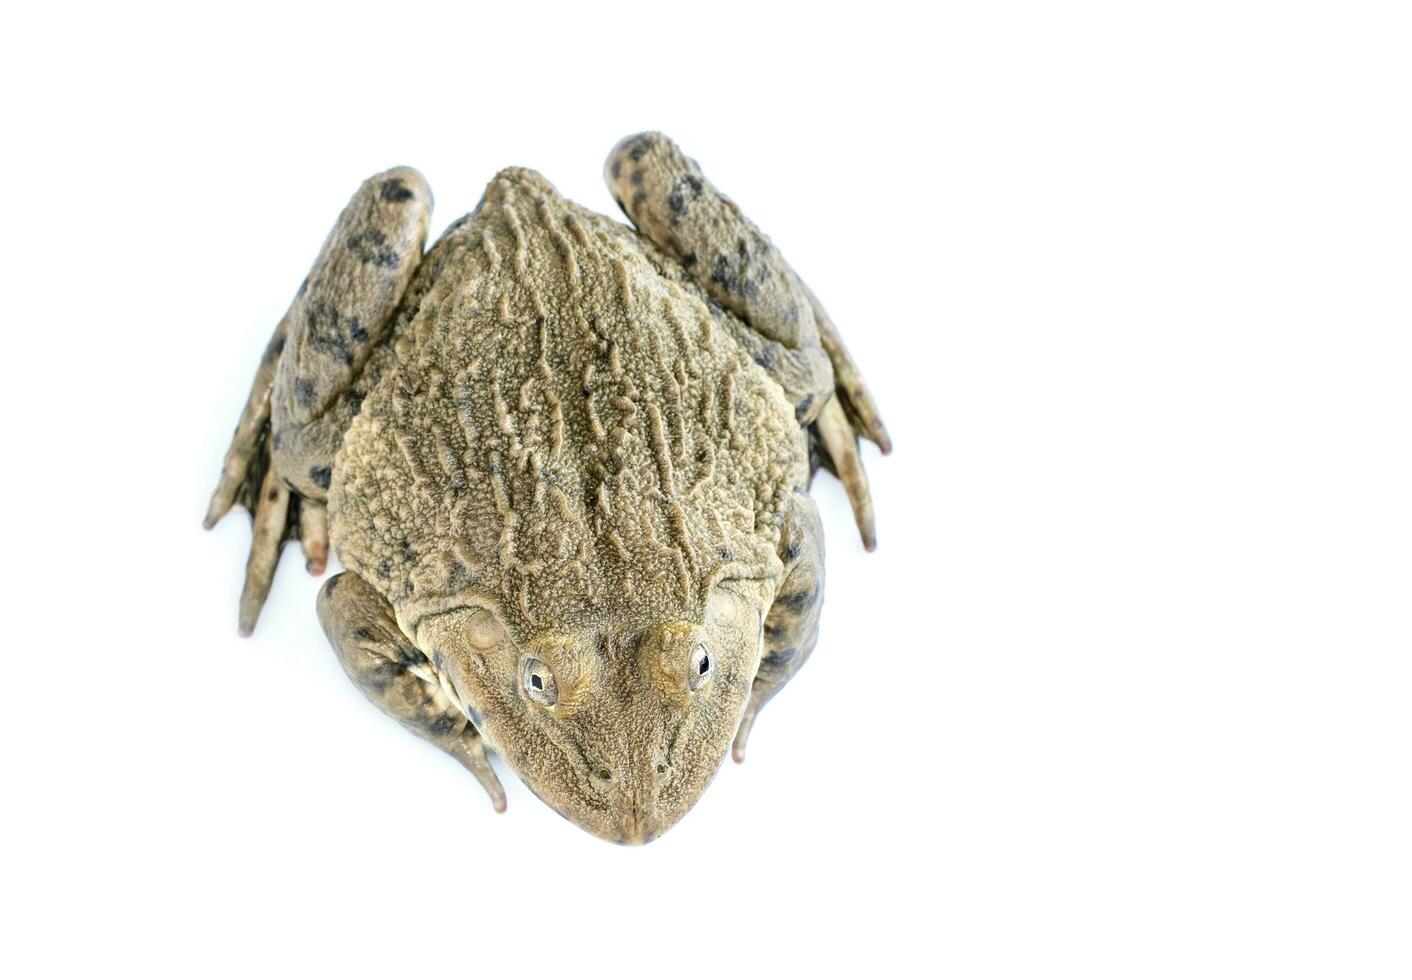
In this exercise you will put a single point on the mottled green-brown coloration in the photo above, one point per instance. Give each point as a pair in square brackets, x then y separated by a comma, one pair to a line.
[565, 466]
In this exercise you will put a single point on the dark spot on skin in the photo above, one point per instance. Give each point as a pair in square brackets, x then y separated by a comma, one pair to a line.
[722, 275]
[684, 191]
[406, 548]
[384, 568]
[378, 677]
[443, 726]
[638, 147]
[768, 357]
[321, 476]
[474, 715]
[279, 438]
[688, 260]
[801, 411]
[778, 659]
[354, 400]
[791, 554]
[799, 601]
[304, 391]
[371, 246]
[724, 554]
[638, 199]
[274, 495]
[617, 168]
[702, 455]
[328, 331]
[636, 178]
[363, 633]
[395, 191]
[328, 587]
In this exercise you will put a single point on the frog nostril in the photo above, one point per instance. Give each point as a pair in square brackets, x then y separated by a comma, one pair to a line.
[661, 769]
[605, 775]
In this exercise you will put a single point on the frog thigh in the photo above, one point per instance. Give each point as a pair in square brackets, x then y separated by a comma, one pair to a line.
[342, 311]
[313, 373]
[790, 335]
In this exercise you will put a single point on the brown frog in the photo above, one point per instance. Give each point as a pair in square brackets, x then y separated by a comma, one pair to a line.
[564, 464]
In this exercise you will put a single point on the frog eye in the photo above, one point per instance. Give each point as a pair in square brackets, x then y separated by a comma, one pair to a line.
[699, 668]
[538, 682]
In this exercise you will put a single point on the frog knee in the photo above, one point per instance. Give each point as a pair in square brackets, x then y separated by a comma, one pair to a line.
[647, 165]
[399, 186]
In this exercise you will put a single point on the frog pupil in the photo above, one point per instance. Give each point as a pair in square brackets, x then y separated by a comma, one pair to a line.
[704, 665]
[536, 683]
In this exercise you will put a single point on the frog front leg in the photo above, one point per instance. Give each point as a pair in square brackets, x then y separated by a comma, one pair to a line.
[395, 676]
[314, 374]
[792, 624]
[790, 335]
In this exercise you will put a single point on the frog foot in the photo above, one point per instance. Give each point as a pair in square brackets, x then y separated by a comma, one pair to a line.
[249, 479]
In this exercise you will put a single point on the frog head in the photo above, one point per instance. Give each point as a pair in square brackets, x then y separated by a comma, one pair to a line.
[620, 724]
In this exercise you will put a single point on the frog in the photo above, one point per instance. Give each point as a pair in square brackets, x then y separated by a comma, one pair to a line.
[564, 464]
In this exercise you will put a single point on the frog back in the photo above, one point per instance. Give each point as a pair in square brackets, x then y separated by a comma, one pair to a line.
[563, 430]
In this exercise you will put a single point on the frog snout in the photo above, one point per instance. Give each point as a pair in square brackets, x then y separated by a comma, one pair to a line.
[639, 818]
[639, 821]
[636, 828]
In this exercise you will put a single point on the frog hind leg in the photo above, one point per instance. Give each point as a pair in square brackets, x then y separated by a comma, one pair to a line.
[397, 677]
[734, 264]
[314, 374]
[792, 624]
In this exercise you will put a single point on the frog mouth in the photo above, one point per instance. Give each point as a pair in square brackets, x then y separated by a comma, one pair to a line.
[622, 814]
[637, 829]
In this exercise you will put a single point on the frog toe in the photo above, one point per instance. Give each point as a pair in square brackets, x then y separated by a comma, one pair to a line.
[271, 514]
[838, 441]
[313, 535]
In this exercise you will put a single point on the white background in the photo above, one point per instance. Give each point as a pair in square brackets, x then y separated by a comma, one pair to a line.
[1124, 691]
